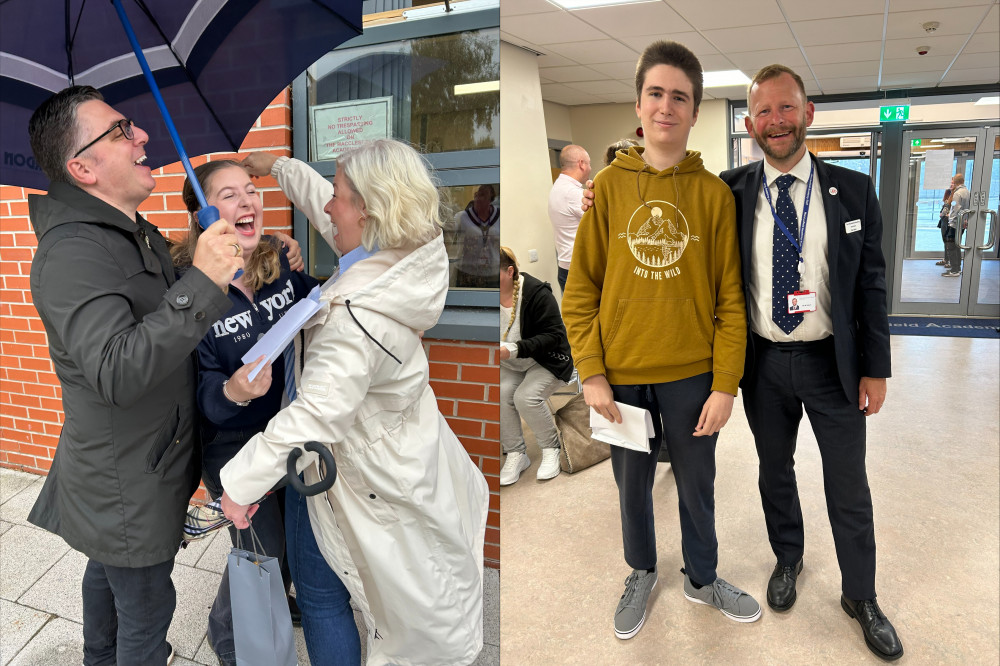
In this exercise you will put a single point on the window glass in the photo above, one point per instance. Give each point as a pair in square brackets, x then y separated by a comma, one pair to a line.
[471, 218]
[440, 93]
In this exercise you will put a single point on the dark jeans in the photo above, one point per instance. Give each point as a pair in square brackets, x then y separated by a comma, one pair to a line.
[563, 273]
[952, 253]
[126, 614]
[327, 618]
[675, 408]
[785, 381]
[269, 527]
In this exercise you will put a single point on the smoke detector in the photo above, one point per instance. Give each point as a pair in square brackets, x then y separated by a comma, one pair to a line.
[931, 26]
[922, 50]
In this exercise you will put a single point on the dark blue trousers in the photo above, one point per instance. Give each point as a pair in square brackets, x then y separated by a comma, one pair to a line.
[675, 408]
[787, 379]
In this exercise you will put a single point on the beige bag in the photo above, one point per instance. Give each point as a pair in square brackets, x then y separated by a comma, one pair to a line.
[579, 449]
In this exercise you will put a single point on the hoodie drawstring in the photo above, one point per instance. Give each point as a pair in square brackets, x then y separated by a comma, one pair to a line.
[348, 304]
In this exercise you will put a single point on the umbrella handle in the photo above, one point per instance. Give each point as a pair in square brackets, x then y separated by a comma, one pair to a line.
[323, 484]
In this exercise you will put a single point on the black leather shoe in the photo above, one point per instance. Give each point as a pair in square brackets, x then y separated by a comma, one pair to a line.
[293, 610]
[880, 636]
[781, 587]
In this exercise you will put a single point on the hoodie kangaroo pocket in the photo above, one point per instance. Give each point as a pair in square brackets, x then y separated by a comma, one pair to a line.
[655, 332]
[165, 436]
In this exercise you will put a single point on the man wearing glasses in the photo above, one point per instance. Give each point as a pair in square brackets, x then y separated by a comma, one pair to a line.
[122, 330]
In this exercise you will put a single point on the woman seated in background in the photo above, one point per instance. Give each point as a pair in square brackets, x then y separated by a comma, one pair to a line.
[534, 362]
[233, 409]
[404, 524]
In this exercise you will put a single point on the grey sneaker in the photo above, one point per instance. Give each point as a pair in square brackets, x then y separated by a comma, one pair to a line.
[731, 600]
[631, 611]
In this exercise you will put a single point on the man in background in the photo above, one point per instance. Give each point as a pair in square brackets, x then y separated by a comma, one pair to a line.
[564, 204]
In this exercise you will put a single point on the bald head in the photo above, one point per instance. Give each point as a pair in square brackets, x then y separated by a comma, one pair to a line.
[575, 162]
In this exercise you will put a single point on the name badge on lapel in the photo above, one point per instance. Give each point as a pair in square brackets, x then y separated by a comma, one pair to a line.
[852, 226]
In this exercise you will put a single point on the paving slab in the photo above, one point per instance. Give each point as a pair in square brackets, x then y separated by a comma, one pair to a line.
[59, 590]
[17, 625]
[18, 506]
[216, 555]
[26, 554]
[13, 481]
[195, 549]
[196, 590]
[59, 643]
[491, 606]
[489, 656]
[4, 526]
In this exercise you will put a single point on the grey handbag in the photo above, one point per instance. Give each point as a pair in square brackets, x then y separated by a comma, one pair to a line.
[262, 625]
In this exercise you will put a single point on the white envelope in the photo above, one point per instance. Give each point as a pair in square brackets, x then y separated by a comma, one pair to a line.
[632, 433]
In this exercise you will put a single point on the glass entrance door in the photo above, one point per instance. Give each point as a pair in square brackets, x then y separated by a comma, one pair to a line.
[924, 284]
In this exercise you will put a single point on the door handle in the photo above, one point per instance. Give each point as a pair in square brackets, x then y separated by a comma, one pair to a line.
[993, 231]
[962, 223]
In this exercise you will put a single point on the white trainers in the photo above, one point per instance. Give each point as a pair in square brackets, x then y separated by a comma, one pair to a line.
[512, 468]
[549, 468]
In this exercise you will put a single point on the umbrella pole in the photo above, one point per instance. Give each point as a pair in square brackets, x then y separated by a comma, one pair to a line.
[208, 214]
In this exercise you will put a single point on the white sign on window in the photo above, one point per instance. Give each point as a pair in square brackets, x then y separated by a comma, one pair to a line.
[938, 169]
[340, 126]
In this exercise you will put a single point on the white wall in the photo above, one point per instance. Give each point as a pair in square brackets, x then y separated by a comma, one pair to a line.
[596, 126]
[525, 178]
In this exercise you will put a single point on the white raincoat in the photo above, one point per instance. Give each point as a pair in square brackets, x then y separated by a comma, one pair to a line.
[404, 524]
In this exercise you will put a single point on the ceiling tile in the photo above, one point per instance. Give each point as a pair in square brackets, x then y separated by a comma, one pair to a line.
[907, 48]
[516, 41]
[604, 87]
[622, 98]
[737, 93]
[916, 64]
[975, 61]
[972, 76]
[750, 61]
[549, 27]
[574, 73]
[848, 84]
[593, 51]
[806, 11]
[553, 60]
[911, 79]
[716, 14]
[515, 7]
[954, 21]
[645, 16]
[623, 71]
[845, 69]
[825, 54]
[841, 31]
[775, 35]
[983, 42]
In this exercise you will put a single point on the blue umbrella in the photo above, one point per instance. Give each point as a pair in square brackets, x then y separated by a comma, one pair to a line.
[218, 64]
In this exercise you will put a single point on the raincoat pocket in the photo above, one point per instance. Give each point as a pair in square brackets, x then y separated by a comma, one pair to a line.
[165, 437]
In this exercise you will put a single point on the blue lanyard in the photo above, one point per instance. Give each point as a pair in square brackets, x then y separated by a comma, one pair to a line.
[797, 243]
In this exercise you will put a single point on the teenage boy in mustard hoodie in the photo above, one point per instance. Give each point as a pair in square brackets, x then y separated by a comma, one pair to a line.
[655, 316]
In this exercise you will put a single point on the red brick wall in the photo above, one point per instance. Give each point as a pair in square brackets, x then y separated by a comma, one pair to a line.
[465, 374]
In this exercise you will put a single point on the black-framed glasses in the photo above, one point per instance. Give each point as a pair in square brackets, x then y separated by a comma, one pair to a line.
[125, 125]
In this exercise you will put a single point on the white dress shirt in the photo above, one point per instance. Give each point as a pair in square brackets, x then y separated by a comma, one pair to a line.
[564, 211]
[816, 276]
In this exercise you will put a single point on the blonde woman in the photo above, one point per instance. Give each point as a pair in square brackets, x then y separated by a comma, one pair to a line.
[404, 524]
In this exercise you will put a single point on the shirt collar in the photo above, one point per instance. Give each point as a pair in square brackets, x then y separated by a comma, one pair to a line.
[800, 170]
[354, 256]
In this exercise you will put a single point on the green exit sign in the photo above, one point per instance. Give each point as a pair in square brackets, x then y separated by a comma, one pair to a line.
[890, 114]
[915, 143]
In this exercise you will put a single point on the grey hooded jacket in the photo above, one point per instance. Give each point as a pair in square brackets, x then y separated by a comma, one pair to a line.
[122, 331]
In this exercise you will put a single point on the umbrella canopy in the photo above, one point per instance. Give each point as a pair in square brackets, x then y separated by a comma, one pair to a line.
[218, 64]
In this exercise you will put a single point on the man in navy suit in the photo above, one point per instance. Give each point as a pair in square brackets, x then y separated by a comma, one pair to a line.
[813, 230]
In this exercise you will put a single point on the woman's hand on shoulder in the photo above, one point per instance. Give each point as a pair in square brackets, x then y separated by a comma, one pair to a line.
[294, 255]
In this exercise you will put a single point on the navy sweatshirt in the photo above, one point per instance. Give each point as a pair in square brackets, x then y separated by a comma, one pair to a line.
[232, 336]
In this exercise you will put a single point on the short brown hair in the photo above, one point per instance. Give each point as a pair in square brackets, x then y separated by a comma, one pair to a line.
[54, 133]
[772, 72]
[264, 264]
[673, 54]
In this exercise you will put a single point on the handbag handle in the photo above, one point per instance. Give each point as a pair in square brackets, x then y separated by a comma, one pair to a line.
[254, 544]
[324, 483]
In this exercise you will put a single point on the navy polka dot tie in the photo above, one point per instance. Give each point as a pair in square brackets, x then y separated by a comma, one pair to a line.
[785, 260]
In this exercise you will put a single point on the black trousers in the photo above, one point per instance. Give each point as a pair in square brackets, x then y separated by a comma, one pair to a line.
[787, 378]
[675, 408]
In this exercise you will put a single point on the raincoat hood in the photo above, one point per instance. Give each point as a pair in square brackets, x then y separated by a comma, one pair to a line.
[408, 286]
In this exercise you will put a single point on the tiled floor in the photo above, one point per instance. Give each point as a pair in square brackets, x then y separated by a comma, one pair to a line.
[40, 603]
[934, 471]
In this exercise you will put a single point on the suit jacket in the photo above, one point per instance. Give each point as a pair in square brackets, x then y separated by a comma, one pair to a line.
[857, 267]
